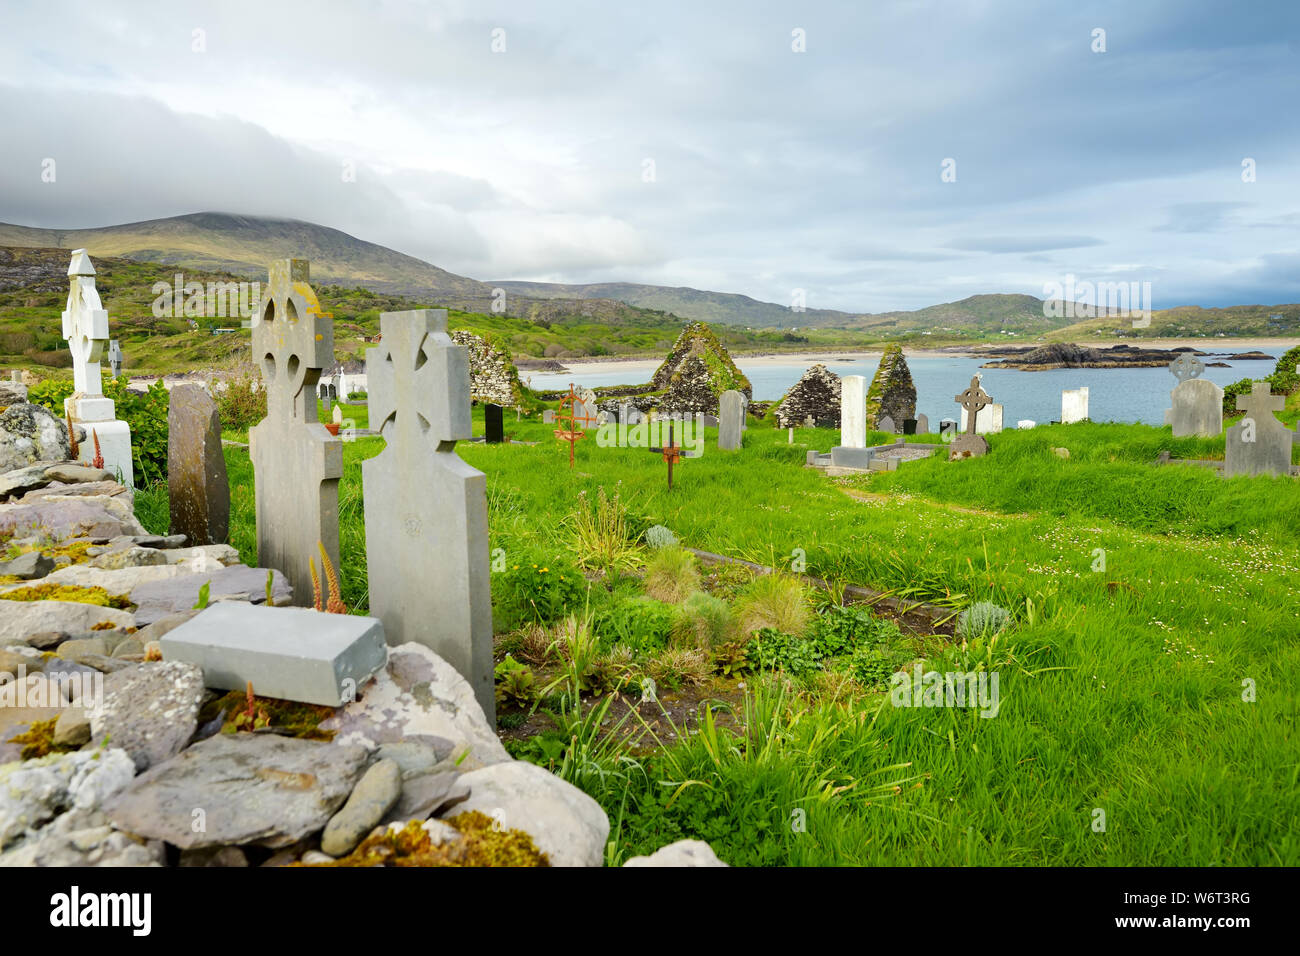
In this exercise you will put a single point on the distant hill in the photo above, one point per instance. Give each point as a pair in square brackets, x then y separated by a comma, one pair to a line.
[243, 245]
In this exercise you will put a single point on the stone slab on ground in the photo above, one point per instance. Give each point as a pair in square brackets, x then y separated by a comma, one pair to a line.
[169, 594]
[69, 516]
[287, 653]
[845, 457]
[252, 789]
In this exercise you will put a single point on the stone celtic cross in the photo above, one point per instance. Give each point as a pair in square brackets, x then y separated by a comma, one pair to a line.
[1186, 366]
[1261, 403]
[425, 508]
[85, 325]
[1259, 444]
[973, 399]
[297, 463]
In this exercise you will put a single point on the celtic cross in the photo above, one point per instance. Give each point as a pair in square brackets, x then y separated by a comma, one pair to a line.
[1186, 366]
[417, 378]
[85, 325]
[292, 342]
[973, 399]
[1261, 403]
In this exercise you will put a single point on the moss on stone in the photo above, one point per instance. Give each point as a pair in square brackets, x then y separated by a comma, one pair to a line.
[38, 740]
[481, 844]
[292, 717]
[52, 591]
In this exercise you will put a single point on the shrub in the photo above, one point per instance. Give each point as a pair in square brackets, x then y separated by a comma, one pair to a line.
[982, 620]
[515, 683]
[657, 536]
[242, 403]
[670, 575]
[643, 624]
[601, 536]
[680, 666]
[841, 630]
[772, 649]
[537, 590]
[776, 601]
[145, 413]
[51, 392]
[704, 621]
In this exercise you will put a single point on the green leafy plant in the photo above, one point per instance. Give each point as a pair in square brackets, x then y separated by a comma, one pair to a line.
[541, 588]
[204, 589]
[242, 403]
[771, 649]
[703, 621]
[984, 619]
[642, 624]
[515, 683]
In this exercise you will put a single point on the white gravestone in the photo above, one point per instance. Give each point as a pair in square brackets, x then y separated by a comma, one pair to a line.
[988, 420]
[297, 463]
[853, 412]
[1074, 405]
[426, 509]
[85, 327]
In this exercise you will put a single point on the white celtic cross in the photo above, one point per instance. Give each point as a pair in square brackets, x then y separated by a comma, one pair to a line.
[85, 325]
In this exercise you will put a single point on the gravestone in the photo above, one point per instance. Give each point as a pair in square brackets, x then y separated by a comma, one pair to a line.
[631, 414]
[988, 421]
[327, 392]
[1074, 405]
[922, 424]
[886, 425]
[197, 486]
[947, 426]
[1026, 423]
[1259, 444]
[85, 327]
[970, 444]
[297, 463]
[710, 421]
[809, 423]
[115, 357]
[853, 412]
[842, 457]
[493, 429]
[1197, 402]
[744, 413]
[731, 411]
[425, 508]
[548, 417]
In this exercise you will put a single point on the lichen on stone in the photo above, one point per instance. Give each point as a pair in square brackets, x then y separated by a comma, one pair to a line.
[480, 844]
[51, 591]
[38, 740]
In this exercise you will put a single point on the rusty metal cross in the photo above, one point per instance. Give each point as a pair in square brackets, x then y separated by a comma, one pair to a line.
[671, 452]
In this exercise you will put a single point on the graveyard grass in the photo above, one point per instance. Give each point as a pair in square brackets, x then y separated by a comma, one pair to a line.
[1121, 682]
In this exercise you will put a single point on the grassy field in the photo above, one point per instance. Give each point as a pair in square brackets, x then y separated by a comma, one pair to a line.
[1148, 710]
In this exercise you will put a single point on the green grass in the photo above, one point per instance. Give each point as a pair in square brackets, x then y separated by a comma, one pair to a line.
[1145, 596]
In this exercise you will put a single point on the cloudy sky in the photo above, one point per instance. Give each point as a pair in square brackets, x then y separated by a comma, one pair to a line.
[689, 143]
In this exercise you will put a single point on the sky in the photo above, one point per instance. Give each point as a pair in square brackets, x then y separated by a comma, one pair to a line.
[875, 155]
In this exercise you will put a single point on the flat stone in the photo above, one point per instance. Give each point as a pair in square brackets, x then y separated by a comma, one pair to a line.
[28, 566]
[157, 599]
[566, 824]
[11, 660]
[211, 555]
[419, 695]
[19, 619]
[76, 474]
[129, 649]
[859, 458]
[287, 653]
[35, 791]
[74, 681]
[682, 853]
[129, 558]
[157, 629]
[92, 489]
[69, 516]
[417, 756]
[44, 640]
[72, 728]
[426, 794]
[372, 798]
[259, 789]
[149, 710]
[76, 648]
[14, 484]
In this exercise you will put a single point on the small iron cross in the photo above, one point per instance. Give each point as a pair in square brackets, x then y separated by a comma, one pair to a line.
[973, 399]
[293, 340]
[1186, 366]
[418, 379]
[573, 432]
[671, 452]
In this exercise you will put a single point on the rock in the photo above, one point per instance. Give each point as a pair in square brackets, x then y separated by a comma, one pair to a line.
[76, 474]
[426, 794]
[566, 824]
[30, 433]
[38, 790]
[419, 696]
[129, 648]
[105, 665]
[161, 626]
[417, 756]
[129, 558]
[82, 838]
[210, 555]
[149, 710]
[74, 680]
[72, 728]
[374, 795]
[196, 468]
[92, 489]
[70, 516]
[44, 640]
[1061, 452]
[27, 566]
[11, 660]
[23, 618]
[157, 599]
[213, 856]
[316, 856]
[15, 484]
[239, 789]
[74, 649]
[681, 853]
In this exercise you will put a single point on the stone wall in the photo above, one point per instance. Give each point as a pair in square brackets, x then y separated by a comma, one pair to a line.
[492, 375]
[892, 392]
[817, 394]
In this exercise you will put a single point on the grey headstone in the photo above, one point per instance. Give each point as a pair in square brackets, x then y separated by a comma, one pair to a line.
[197, 486]
[886, 425]
[1197, 408]
[843, 457]
[425, 509]
[631, 414]
[922, 425]
[1259, 444]
[711, 421]
[296, 462]
[288, 653]
[548, 417]
[731, 414]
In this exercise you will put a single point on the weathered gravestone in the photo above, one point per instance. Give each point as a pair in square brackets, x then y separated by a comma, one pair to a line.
[115, 357]
[548, 417]
[197, 486]
[922, 424]
[631, 415]
[296, 462]
[85, 327]
[947, 426]
[493, 429]
[731, 412]
[426, 509]
[853, 412]
[970, 445]
[886, 424]
[1074, 405]
[1197, 402]
[1259, 444]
